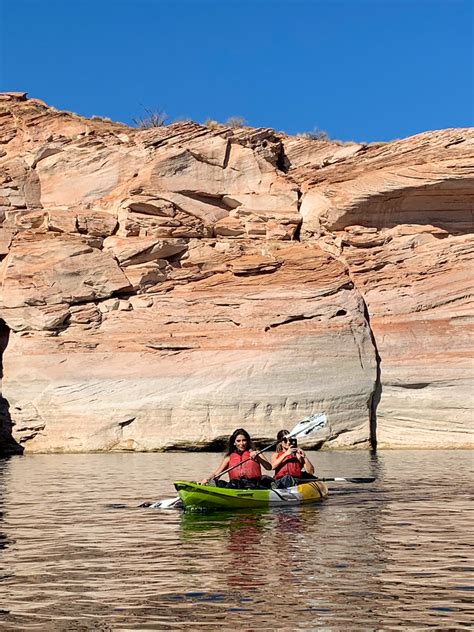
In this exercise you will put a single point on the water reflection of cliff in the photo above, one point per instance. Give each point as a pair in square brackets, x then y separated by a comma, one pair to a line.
[5, 541]
[424, 528]
[292, 555]
[391, 554]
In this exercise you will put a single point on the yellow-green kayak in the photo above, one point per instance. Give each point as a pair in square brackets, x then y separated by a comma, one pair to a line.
[208, 497]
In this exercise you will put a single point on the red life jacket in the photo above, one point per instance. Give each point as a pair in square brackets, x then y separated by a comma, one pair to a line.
[290, 465]
[251, 469]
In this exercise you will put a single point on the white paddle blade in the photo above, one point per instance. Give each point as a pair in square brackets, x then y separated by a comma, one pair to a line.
[309, 425]
[167, 503]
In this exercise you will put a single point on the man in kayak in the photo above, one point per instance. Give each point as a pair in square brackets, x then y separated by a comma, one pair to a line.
[245, 462]
[290, 462]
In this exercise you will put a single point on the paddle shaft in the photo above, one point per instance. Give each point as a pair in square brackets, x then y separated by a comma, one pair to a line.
[295, 432]
[336, 479]
[339, 479]
[269, 447]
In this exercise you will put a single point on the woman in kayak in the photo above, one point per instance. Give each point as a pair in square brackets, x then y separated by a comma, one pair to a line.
[245, 462]
[290, 462]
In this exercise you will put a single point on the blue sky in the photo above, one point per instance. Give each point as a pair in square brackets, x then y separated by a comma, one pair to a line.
[359, 69]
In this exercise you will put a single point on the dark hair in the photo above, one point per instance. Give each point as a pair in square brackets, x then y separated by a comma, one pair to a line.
[233, 437]
[280, 436]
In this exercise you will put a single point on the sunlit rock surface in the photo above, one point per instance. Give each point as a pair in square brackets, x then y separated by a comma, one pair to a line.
[162, 287]
[401, 216]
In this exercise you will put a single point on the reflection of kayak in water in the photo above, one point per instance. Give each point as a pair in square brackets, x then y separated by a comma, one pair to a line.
[208, 497]
[229, 524]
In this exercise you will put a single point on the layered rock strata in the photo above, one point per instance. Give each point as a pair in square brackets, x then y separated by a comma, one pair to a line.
[402, 221]
[162, 287]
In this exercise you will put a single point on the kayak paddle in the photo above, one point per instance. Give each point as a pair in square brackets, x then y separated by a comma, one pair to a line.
[167, 503]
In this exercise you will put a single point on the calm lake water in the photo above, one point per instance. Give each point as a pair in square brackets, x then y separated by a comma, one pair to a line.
[77, 553]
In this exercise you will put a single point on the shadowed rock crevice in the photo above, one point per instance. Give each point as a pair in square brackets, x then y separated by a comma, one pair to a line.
[292, 319]
[8, 445]
[216, 445]
[297, 233]
[377, 393]
[282, 163]
[212, 200]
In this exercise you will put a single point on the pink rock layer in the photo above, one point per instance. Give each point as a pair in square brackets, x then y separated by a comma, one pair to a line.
[160, 288]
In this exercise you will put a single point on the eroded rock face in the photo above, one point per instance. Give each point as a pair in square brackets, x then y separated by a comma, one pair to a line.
[401, 217]
[418, 289]
[242, 345]
[163, 287]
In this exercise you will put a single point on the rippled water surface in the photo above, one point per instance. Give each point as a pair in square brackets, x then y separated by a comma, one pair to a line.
[77, 553]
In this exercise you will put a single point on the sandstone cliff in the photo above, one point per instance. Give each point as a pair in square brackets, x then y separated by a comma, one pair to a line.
[161, 287]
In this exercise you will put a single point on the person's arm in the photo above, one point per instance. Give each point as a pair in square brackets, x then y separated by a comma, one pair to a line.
[278, 458]
[261, 459]
[305, 462]
[223, 466]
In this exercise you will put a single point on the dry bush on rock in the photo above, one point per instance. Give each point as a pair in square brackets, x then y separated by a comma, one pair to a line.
[315, 134]
[153, 118]
[235, 121]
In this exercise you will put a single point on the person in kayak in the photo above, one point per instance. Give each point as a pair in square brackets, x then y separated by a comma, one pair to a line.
[290, 462]
[246, 464]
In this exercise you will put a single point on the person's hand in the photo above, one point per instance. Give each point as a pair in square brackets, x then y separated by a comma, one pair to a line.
[253, 454]
[301, 454]
[205, 481]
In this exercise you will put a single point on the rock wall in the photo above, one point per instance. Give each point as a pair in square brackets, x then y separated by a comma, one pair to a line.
[402, 220]
[161, 287]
